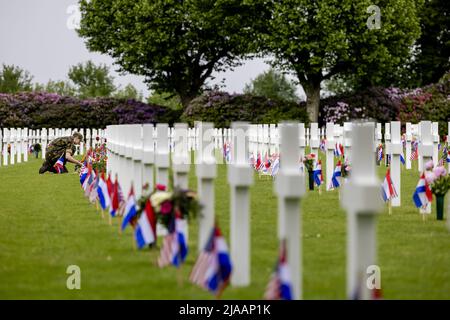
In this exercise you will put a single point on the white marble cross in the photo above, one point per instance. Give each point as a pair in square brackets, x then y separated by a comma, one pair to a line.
[362, 201]
[435, 132]
[387, 140]
[408, 146]
[330, 153]
[206, 172]
[137, 156]
[181, 157]
[314, 139]
[6, 141]
[149, 155]
[347, 139]
[396, 150]
[162, 156]
[240, 177]
[290, 187]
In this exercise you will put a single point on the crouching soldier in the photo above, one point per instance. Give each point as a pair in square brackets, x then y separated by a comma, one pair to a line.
[63, 147]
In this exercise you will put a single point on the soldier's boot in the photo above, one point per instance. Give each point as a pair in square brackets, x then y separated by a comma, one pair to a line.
[45, 167]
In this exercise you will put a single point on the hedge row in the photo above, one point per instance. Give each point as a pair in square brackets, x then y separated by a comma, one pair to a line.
[385, 104]
[36, 110]
[222, 108]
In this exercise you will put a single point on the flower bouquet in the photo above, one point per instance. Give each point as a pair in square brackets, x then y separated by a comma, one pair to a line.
[99, 158]
[309, 162]
[170, 204]
[439, 182]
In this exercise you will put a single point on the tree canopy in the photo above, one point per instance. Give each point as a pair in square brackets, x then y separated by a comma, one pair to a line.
[176, 45]
[91, 80]
[274, 85]
[319, 39]
[14, 79]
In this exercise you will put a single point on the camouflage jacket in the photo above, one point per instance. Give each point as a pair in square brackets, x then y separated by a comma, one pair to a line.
[58, 147]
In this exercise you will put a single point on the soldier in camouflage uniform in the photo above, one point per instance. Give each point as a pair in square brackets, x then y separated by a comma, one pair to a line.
[64, 146]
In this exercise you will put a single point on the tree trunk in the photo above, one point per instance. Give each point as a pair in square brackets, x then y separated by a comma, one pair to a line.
[312, 90]
[185, 100]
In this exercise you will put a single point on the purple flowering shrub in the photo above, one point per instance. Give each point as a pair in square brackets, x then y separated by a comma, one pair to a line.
[222, 108]
[372, 103]
[431, 102]
[38, 109]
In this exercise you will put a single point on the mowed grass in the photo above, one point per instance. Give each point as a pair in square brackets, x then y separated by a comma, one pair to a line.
[46, 224]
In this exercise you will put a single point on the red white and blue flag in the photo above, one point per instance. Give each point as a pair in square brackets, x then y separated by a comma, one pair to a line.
[317, 173]
[402, 158]
[275, 166]
[423, 195]
[322, 145]
[93, 194]
[114, 199]
[258, 162]
[174, 249]
[103, 193]
[130, 209]
[83, 172]
[414, 151]
[145, 232]
[59, 165]
[380, 153]
[227, 152]
[213, 268]
[388, 191]
[338, 150]
[280, 284]
[88, 180]
[336, 175]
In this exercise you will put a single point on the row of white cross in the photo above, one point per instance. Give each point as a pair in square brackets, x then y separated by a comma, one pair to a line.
[15, 143]
[135, 151]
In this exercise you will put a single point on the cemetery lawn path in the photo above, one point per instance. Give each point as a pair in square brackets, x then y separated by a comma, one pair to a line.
[46, 225]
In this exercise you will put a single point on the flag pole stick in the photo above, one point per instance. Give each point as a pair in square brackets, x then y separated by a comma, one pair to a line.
[110, 219]
[120, 225]
[390, 207]
[103, 214]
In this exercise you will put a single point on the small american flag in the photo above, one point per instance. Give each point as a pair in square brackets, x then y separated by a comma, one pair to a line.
[213, 268]
[414, 151]
[280, 286]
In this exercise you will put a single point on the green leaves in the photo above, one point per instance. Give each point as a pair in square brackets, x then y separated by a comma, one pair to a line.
[176, 45]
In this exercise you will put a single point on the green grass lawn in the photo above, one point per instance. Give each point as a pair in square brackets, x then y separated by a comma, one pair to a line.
[46, 225]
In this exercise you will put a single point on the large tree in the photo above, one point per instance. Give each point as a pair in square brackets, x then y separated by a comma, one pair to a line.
[175, 44]
[92, 80]
[319, 39]
[433, 47]
[14, 79]
[273, 85]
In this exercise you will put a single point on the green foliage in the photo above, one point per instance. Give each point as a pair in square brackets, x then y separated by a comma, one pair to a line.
[14, 79]
[433, 46]
[165, 99]
[129, 92]
[91, 80]
[319, 39]
[175, 45]
[273, 85]
[222, 108]
[63, 88]
[441, 185]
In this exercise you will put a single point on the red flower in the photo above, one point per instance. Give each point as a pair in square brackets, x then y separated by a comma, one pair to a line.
[160, 187]
[166, 207]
